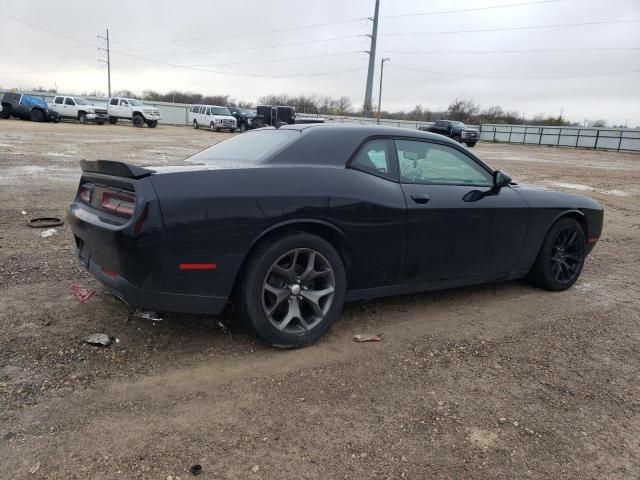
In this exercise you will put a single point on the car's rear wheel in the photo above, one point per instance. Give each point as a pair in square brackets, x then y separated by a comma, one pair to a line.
[561, 257]
[293, 290]
[195, 124]
[5, 113]
[36, 116]
[138, 121]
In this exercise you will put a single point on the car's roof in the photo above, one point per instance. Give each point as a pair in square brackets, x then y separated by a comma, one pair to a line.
[365, 130]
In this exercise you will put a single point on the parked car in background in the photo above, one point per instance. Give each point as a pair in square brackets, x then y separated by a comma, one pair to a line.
[276, 115]
[27, 107]
[296, 220]
[246, 118]
[79, 108]
[212, 117]
[455, 130]
[121, 108]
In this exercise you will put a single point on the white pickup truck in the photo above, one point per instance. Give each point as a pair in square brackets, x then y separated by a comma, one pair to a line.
[121, 108]
[78, 108]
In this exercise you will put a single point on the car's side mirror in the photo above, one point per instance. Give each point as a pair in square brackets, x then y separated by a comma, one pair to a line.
[501, 179]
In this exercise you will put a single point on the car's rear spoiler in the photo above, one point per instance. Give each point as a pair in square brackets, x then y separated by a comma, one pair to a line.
[116, 169]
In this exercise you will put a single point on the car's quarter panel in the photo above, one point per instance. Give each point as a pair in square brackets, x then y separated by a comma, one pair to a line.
[546, 207]
[217, 215]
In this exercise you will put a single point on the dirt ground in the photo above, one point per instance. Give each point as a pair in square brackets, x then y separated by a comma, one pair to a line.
[497, 381]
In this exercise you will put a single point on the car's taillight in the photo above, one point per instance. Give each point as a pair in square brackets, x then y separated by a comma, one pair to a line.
[118, 203]
[85, 193]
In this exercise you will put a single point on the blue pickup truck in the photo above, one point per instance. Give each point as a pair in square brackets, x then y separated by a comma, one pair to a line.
[27, 107]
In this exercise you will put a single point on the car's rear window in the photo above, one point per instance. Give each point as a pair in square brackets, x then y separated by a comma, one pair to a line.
[248, 148]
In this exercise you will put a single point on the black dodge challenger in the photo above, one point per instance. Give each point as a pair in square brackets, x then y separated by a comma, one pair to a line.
[293, 222]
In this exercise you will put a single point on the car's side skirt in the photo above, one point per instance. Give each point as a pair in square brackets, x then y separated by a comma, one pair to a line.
[391, 290]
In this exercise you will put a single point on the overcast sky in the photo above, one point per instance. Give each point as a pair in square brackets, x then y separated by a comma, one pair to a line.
[239, 40]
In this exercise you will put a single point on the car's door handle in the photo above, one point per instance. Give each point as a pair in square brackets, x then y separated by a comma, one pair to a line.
[421, 198]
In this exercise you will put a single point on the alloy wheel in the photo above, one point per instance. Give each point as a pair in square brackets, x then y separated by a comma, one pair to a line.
[298, 290]
[567, 255]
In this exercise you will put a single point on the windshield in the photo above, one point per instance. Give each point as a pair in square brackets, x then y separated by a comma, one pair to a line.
[457, 124]
[81, 101]
[220, 111]
[247, 111]
[248, 149]
[137, 103]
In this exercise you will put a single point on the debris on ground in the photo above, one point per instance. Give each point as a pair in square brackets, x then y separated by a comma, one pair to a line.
[99, 339]
[367, 337]
[255, 468]
[82, 293]
[148, 315]
[196, 469]
[45, 222]
[34, 469]
[23, 212]
[48, 233]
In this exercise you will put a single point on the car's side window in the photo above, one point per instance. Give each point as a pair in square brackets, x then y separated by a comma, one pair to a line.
[375, 157]
[114, 101]
[432, 163]
[208, 112]
[69, 101]
[58, 100]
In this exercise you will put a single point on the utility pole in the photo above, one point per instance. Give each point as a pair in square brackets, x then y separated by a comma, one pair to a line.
[372, 61]
[380, 92]
[108, 62]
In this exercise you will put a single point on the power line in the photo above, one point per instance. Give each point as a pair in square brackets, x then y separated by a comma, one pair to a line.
[476, 9]
[38, 27]
[506, 77]
[537, 50]
[260, 47]
[504, 29]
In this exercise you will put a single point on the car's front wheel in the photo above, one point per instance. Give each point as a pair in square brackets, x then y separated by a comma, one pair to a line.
[36, 116]
[243, 128]
[293, 290]
[138, 121]
[113, 120]
[471, 144]
[561, 257]
[82, 118]
[195, 124]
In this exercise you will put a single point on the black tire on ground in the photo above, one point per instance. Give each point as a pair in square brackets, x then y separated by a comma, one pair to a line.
[113, 121]
[232, 130]
[36, 116]
[243, 128]
[297, 284]
[195, 124]
[212, 127]
[5, 113]
[100, 122]
[82, 117]
[152, 123]
[471, 144]
[561, 257]
[137, 120]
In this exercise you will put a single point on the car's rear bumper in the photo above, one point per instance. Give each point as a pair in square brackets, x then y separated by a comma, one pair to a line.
[160, 301]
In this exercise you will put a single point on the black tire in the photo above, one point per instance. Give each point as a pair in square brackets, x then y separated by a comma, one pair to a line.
[471, 144]
[232, 130]
[5, 113]
[82, 117]
[254, 296]
[212, 127]
[100, 122]
[113, 121]
[36, 116]
[152, 123]
[137, 120]
[243, 128]
[457, 138]
[561, 258]
[195, 124]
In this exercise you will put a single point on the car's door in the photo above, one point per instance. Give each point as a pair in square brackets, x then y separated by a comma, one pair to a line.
[459, 225]
[124, 109]
[57, 105]
[69, 108]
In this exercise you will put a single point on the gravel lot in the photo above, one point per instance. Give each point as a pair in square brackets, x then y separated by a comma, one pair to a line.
[497, 381]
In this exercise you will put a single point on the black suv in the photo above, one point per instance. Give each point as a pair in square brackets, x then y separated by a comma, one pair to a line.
[246, 118]
[27, 107]
[456, 130]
